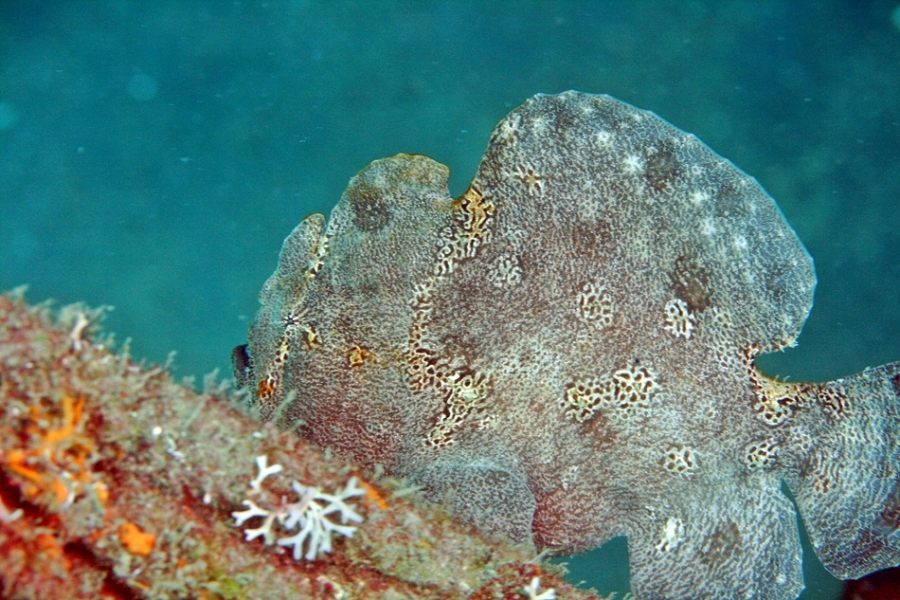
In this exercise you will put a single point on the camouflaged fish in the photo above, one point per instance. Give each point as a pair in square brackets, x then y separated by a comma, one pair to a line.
[567, 350]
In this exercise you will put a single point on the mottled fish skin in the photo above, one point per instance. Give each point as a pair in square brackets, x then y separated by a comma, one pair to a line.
[567, 350]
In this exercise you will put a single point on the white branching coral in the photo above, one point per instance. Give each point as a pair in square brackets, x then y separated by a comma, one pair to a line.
[533, 591]
[310, 513]
[262, 462]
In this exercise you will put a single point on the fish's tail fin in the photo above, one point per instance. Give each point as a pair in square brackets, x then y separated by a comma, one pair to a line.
[847, 481]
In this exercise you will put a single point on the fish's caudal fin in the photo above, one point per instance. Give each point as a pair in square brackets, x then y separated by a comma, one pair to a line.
[844, 470]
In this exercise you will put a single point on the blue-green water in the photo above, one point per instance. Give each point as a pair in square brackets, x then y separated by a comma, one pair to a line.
[153, 155]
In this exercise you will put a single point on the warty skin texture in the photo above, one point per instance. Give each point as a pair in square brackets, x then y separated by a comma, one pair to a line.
[566, 350]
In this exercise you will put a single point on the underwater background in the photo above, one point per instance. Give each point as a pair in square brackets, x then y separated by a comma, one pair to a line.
[154, 155]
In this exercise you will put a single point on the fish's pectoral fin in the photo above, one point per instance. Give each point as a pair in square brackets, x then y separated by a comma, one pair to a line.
[738, 541]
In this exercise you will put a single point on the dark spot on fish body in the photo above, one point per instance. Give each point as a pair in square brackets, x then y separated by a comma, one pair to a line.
[662, 167]
[777, 278]
[564, 117]
[690, 282]
[371, 212]
[888, 520]
[721, 544]
[592, 239]
[729, 202]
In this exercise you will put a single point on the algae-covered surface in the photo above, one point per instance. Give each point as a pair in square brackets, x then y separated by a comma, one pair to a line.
[153, 156]
[118, 482]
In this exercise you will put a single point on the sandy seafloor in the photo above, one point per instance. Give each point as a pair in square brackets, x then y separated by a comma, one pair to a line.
[153, 155]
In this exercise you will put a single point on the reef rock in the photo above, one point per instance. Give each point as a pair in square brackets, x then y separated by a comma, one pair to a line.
[567, 350]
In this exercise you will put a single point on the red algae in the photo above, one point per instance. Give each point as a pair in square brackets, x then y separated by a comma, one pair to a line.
[118, 482]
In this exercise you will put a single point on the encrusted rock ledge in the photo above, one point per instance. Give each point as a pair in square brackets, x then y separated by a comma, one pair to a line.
[118, 482]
